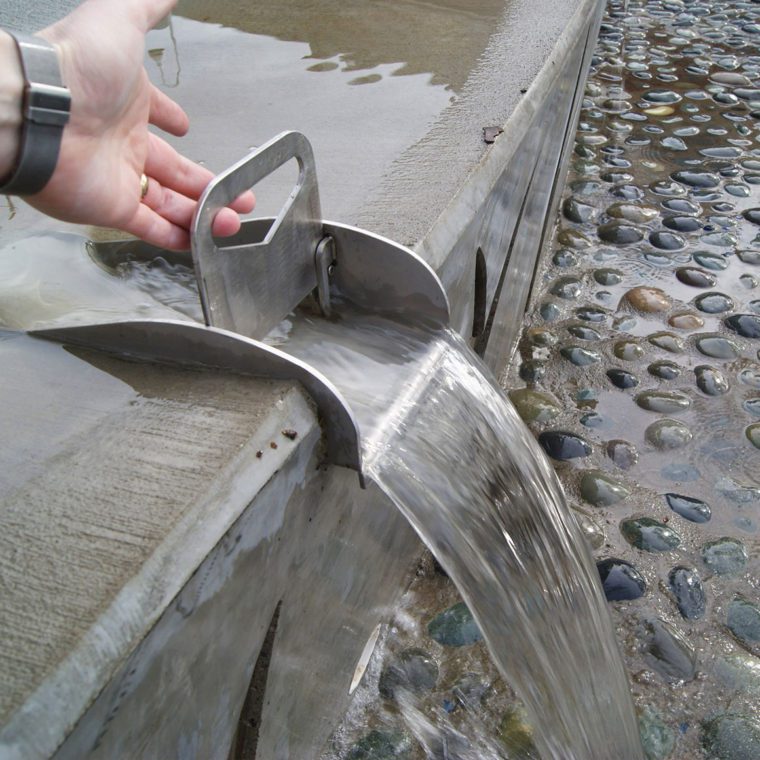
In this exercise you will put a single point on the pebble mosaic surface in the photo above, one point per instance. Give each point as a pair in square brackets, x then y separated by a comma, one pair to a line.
[639, 373]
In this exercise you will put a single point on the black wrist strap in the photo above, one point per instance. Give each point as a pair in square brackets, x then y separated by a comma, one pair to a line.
[46, 107]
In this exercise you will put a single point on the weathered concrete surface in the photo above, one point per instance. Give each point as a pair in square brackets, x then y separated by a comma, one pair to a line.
[345, 552]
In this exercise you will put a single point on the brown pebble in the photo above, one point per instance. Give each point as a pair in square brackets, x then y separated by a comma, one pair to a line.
[685, 320]
[288, 433]
[272, 445]
[259, 454]
[648, 299]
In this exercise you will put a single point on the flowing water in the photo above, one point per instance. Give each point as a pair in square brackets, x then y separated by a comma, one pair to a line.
[442, 440]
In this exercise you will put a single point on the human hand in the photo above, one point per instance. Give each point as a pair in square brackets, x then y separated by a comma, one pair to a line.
[106, 145]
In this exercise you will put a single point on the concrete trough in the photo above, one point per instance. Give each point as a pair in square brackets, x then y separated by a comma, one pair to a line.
[175, 552]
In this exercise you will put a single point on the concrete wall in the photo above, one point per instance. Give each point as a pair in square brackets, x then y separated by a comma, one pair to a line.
[162, 665]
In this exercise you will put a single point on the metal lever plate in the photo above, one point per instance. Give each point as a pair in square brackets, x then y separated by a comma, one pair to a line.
[249, 288]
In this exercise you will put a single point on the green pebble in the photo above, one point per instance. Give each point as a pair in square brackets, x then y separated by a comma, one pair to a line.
[649, 535]
[732, 736]
[380, 745]
[534, 406]
[668, 434]
[601, 490]
[724, 556]
[753, 434]
[743, 620]
[740, 672]
[455, 627]
[657, 739]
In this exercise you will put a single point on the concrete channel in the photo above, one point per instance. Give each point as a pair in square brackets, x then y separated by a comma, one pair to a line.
[175, 552]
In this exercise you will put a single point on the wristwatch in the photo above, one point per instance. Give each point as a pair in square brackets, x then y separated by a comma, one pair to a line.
[46, 107]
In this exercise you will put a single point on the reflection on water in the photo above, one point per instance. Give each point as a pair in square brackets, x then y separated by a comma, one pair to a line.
[443, 38]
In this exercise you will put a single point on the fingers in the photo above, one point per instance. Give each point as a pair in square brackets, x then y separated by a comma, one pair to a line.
[156, 230]
[177, 210]
[166, 114]
[175, 171]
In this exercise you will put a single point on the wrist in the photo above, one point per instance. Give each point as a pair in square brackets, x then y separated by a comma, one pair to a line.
[11, 102]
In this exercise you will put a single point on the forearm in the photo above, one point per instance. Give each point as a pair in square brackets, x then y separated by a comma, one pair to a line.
[11, 94]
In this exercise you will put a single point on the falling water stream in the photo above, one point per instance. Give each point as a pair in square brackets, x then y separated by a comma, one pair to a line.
[444, 443]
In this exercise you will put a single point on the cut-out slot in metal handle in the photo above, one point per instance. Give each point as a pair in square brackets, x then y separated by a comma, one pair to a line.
[248, 288]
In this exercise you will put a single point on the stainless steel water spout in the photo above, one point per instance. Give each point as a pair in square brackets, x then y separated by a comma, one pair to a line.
[249, 283]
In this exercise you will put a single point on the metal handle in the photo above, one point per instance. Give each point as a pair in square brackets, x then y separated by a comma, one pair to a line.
[250, 287]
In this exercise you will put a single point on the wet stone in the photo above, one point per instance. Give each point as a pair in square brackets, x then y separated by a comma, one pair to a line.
[624, 323]
[566, 287]
[619, 233]
[582, 332]
[665, 370]
[667, 651]
[667, 434]
[591, 314]
[746, 325]
[534, 406]
[549, 311]
[696, 278]
[454, 627]
[740, 672]
[622, 453]
[749, 257]
[662, 96]
[622, 379]
[690, 508]
[601, 490]
[581, 357]
[532, 371]
[681, 205]
[680, 472]
[667, 241]
[673, 143]
[725, 556]
[713, 261]
[732, 736]
[573, 239]
[717, 347]
[710, 380]
[753, 434]
[411, 670]
[540, 336]
[657, 739]
[608, 276]
[516, 734]
[649, 300]
[621, 581]
[689, 592]
[592, 420]
[381, 745]
[563, 446]
[681, 224]
[593, 533]
[748, 281]
[752, 405]
[743, 620]
[737, 190]
[686, 321]
[703, 180]
[576, 211]
[730, 78]
[632, 212]
[667, 342]
[714, 303]
[663, 402]
[564, 258]
[649, 535]
[627, 192]
[750, 376]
